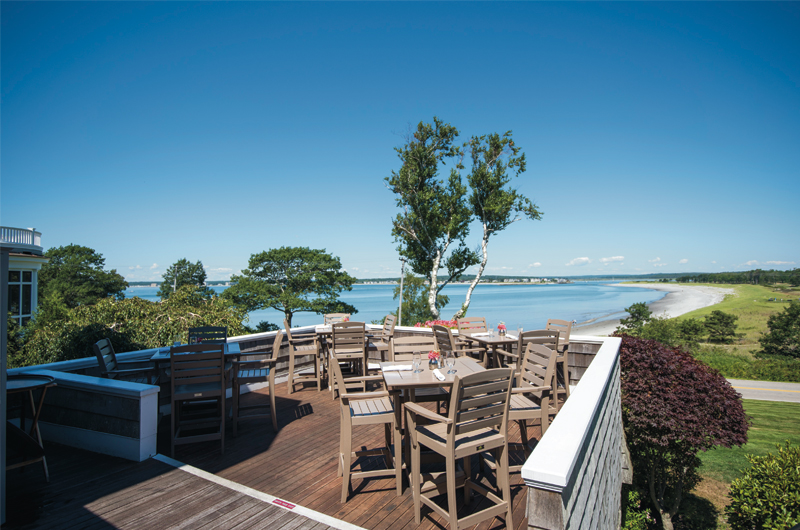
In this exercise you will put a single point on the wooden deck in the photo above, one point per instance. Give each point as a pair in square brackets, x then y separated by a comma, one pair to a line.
[297, 465]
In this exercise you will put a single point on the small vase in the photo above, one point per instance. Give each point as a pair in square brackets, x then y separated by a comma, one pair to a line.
[502, 333]
[433, 364]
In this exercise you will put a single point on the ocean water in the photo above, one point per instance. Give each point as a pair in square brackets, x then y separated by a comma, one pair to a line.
[528, 306]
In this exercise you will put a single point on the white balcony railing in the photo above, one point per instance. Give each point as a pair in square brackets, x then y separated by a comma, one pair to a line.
[21, 239]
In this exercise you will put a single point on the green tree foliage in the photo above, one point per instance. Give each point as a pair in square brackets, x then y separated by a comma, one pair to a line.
[184, 272]
[692, 331]
[435, 217]
[757, 276]
[13, 338]
[721, 327]
[131, 324]
[783, 337]
[415, 300]
[673, 407]
[291, 280]
[493, 202]
[639, 315]
[768, 495]
[75, 275]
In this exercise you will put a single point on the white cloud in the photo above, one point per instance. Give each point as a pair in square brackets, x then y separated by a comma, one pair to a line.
[751, 263]
[659, 264]
[613, 258]
[579, 261]
[714, 262]
[654, 260]
[154, 266]
[135, 267]
[537, 264]
[221, 269]
[684, 260]
[779, 262]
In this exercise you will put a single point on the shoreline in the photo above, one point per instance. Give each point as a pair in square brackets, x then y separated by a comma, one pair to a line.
[679, 300]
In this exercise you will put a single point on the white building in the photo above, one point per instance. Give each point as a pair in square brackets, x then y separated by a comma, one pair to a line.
[24, 262]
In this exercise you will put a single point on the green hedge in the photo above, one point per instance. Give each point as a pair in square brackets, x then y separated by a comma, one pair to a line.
[740, 367]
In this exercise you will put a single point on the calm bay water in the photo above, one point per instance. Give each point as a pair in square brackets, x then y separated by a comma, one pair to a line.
[528, 306]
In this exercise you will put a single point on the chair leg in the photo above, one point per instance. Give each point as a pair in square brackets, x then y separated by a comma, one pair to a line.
[235, 391]
[224, 413]
[272, 412]
[415, 479]
[345, 454]
[291, 373]
[452, 507]
[504, 479]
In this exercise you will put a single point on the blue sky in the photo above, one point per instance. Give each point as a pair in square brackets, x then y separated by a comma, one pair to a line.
[660, 137]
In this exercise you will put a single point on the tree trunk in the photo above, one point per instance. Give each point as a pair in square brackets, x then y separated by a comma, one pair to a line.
[485, 251]
[432, 292]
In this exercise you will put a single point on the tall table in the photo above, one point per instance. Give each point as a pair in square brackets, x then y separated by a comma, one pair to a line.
[493, 341]
[25, 440]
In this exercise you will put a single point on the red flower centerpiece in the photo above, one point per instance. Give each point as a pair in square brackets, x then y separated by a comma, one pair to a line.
[501, 327]
[433, 359]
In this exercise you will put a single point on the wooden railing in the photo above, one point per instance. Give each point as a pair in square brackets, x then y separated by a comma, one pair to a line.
[574, 475]
[21, 238]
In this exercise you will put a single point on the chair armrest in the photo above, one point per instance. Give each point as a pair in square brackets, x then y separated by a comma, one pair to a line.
[257, 362]
[142, 361]
[300, 337]
[364, 395]
[508, 354]
[418, 410]
[525, 389]
[132, 371]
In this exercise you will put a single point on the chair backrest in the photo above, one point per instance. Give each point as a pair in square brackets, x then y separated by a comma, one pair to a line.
[480, 400]
[538, 368]
[564, 327]
[210, 334]
[198, 369]
[348, 336]
[387, 331]
[106, 358]
[468, 325]
[543, 337]
[404, 348]
[444, 338]
[333, 318]
[276, 346]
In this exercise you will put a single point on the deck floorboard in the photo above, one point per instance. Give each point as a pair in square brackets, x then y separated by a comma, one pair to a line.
[297, 464]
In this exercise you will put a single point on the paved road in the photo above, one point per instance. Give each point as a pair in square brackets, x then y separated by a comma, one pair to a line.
[767, 390]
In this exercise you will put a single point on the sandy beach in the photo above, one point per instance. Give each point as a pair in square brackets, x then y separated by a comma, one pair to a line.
[680, 299]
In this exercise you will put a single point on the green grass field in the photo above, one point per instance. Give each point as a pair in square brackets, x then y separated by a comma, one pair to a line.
[772, 423]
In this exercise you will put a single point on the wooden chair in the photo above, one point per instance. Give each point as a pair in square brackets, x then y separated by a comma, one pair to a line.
[349, 345]
[476, 422]
[564, 327]
[210, 334]
[444, 338]
[381, 339]
[367, 408]
[403, 349]
[302, 345]
[256, 371]
[534, 396]
[110, 368]
[467, 326]
[333, 318]
[198, 394]
[542, 337]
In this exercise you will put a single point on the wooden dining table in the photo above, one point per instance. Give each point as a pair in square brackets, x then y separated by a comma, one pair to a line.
[29, 441]
[493, 341]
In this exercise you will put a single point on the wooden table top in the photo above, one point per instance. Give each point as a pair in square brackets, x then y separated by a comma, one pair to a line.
[408, 379]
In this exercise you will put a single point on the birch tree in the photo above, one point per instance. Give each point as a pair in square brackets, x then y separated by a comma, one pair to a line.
[496, 160]
[435, 217]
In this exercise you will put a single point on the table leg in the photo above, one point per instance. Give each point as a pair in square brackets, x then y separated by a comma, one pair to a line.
[35, 427]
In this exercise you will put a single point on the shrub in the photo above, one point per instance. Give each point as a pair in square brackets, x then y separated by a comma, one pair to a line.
[673, 407]
[736, 366]
[639, 315]
[634, 515]
[783, 337]
[131, 324]
[768, 495]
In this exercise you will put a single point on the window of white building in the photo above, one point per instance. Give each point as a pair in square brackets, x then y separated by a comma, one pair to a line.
[20, 295]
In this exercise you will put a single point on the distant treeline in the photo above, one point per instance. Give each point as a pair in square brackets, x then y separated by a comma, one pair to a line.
[756, 276]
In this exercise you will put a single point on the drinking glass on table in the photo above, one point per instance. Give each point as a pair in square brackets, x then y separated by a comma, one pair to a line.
[416, 361]
[451, 362]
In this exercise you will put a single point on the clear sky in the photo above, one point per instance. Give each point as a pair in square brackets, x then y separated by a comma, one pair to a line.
[660, 137]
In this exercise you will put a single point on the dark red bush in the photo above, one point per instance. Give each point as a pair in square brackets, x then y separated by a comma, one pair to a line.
[674, 406]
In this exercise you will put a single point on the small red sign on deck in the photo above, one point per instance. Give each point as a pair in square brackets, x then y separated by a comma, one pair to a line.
[283, 503]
